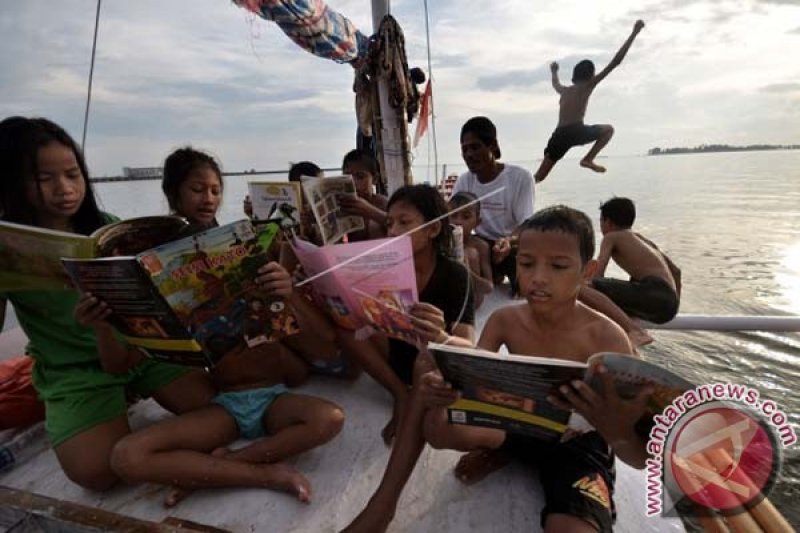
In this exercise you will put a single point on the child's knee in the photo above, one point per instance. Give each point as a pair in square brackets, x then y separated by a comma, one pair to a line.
[127, 458]
[435, 430]
[329, 423]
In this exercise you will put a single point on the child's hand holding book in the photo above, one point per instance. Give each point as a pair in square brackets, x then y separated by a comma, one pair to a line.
[435, 391]
[275, 279]
[90, 312]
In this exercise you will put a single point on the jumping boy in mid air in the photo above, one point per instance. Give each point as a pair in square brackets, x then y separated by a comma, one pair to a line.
[553, 262]
[477, 254]
[571, 131]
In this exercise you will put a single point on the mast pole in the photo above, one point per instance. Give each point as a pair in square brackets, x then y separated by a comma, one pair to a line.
[91, 75]
[391, 122]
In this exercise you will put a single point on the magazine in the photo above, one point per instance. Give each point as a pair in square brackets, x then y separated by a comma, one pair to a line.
[277, 201]
[30, 257]
[322, 195]
[509, 392]
[364, 286]
[192, 300]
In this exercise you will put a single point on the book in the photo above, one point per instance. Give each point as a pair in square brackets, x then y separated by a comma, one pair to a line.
[363, 286]
[277, 201]
[322, 194]
[192, 300]
[30, 257]
[509, 392]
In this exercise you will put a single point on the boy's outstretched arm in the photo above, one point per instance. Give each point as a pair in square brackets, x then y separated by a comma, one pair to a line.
[554, 78]
[620, 55]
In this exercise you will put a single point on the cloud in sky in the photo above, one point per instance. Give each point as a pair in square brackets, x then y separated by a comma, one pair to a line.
[207, 73]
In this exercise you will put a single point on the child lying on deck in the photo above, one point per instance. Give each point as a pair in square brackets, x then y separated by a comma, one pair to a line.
[254, 403]
[555, 250]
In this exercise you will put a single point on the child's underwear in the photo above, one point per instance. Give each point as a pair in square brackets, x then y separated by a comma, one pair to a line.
[248, 407]
[565, 137]
[577, 476]
[650, 298]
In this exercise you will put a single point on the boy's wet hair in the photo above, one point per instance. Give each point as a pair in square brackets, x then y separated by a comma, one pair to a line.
[483, 129]
[366, 159]
[303, 168]
[431, 205]
[619, 211]
[568, 220]
[583, 71]
[463, 198]
[177, 167]
[20, 141]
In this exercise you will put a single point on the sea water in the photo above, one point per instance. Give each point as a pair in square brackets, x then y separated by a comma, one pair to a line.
[730, 221]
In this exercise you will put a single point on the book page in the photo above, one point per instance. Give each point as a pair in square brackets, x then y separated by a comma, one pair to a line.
[280, 202]
[322, 195]
[507, 394]
[135, 235]
[30, 257]
[379, 276]
[208, 279]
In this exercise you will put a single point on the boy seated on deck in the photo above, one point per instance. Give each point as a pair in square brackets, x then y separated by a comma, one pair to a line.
[466, 212]
[653, 292]
[555, 258]
[189, 451]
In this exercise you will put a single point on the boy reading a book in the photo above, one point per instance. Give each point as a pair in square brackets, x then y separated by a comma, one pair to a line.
[554, 259]
[466, 212]
[189, 451]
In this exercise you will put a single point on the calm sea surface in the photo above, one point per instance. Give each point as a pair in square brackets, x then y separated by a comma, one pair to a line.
[730, 221]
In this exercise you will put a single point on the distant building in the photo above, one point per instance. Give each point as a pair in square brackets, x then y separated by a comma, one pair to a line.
[141, 173]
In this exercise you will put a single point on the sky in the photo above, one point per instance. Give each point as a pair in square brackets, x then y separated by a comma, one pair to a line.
[207, 73]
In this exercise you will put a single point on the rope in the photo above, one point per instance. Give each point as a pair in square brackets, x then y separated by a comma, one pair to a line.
[91, 75]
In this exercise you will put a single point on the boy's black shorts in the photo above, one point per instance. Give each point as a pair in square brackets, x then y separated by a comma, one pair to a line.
[650, 298]
[565, 137]
[577, 476]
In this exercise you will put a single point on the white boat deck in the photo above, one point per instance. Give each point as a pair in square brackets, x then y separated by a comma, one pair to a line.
[344, 474]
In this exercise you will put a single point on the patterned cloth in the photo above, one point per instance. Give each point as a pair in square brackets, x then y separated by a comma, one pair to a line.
[313, 26]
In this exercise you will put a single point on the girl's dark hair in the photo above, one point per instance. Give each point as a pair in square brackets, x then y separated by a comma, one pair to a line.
[483, 129]
[177, 167]
[20, 141]
[429, 202]
[303, 168]
[568, 220]
[366, 159]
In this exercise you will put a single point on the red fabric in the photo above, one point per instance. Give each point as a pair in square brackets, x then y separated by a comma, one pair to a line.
[424, 113]
[19, 404]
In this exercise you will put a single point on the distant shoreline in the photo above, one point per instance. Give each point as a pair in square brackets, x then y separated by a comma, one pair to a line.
[711, 148]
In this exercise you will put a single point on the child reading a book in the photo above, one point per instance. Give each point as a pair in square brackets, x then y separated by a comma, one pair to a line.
[46, 184]
[554, 259]
[189, 451]
[193, 186]
[368, 204]
[445, 300]
[465, 211]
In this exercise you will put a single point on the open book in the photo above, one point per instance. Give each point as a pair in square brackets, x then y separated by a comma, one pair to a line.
[192, 300]
[509, 392]
[322, 195]
[277, 201]
[359, 284]
[30, 257]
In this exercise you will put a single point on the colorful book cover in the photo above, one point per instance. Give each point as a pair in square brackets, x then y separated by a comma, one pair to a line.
[30, 257]
[369, 283]
[280, 202]
[208, 280]
[322, 195]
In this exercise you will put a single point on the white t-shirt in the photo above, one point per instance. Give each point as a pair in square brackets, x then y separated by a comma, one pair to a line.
[501, 212]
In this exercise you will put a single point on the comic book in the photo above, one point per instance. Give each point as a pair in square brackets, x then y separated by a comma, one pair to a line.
[364, 286]
[276, 201]
[192, 300]
[322, 194]
[30, 257]
[509, 392]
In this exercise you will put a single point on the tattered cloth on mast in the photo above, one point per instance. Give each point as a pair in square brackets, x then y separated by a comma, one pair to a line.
[312, 25]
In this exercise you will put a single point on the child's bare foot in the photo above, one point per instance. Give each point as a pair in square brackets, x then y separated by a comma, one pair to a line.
[476, 465]
[640, 337]
[586, 163]
[283, 477]
[176, 494]
[390, 429]
[373, 519]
